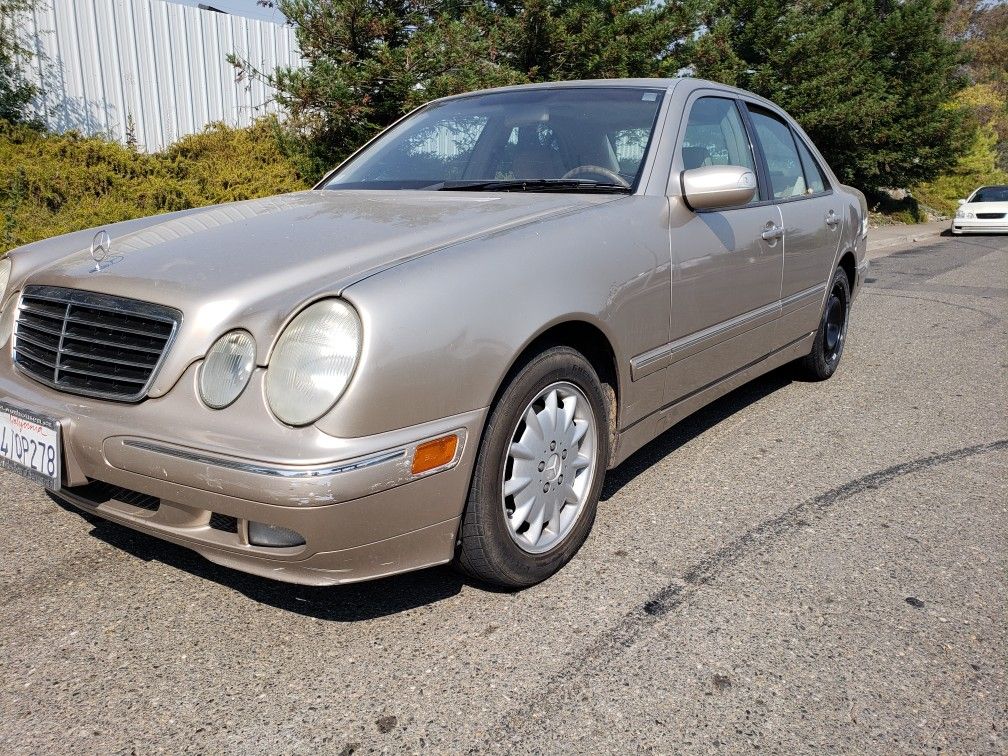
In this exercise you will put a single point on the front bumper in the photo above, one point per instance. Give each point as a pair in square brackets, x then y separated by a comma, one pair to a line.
[979, 226]
[361, 512]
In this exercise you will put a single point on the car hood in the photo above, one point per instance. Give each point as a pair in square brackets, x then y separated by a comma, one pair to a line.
[251, 264]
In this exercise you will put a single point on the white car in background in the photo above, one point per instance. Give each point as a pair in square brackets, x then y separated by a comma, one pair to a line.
[986, 211]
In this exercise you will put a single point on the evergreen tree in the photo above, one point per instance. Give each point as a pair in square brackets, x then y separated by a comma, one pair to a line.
[16, 93]
[370, 61]
[870, 80]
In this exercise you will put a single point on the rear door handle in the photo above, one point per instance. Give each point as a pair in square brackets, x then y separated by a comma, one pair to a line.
[831, 219]
[772, 232]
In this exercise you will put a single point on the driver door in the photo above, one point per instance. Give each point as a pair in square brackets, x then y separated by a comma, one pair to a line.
[727, 264]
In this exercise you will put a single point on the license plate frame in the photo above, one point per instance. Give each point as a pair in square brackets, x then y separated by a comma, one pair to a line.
[31, 445]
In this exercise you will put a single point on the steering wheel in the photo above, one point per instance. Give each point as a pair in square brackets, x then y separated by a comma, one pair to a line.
[598, 170]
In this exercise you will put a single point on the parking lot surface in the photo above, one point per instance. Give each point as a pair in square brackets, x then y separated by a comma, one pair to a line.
[800, 567]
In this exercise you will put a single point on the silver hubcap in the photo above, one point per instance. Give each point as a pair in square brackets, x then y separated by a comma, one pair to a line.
[549, 467]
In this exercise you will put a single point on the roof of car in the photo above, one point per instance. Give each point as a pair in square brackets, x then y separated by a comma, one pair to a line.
[584, 83]
[645, 83]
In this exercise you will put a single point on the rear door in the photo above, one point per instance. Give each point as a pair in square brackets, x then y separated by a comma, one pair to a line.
[812, 218]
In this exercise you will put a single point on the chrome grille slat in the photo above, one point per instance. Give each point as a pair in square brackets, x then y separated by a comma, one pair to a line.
[54, 328]
[34, 342]
[96, 374]
[117, 360]
[113, 327]
[106, 335]
[91, 340]
[93, 344]
[34, 353]
[42, 313]
[95, 304]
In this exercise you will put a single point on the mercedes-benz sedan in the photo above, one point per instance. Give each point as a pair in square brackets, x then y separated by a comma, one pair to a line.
[437, 353]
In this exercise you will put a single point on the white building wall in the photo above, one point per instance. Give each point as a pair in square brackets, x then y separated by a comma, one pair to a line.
[101, 62]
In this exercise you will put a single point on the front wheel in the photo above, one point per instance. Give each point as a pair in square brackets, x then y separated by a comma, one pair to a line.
[828, 346]
[538, 473]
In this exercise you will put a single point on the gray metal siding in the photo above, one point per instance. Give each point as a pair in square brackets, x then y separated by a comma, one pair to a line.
[101, 62]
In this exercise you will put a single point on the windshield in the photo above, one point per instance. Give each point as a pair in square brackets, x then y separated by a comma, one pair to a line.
[991, 194]
[557, 139]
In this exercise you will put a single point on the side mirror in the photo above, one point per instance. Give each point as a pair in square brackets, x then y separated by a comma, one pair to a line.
[962, 202]
[717, 186]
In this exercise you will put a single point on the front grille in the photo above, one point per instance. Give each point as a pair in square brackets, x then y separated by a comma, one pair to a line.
[223, 522]
[99, 492]
[92, 344]
[990, 216]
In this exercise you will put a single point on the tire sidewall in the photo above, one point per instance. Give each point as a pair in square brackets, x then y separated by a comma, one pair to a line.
[822, 366]
[514, 566]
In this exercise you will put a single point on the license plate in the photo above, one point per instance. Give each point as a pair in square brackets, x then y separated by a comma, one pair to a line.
[30, 445]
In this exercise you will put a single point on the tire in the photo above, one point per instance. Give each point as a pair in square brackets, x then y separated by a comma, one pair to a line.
[494, 545]
[827, 349]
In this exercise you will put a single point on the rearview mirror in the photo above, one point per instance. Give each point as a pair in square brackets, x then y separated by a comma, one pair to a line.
[717, 186]
[962, 202]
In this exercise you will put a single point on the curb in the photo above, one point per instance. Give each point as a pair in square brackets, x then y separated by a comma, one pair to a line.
[894, 241]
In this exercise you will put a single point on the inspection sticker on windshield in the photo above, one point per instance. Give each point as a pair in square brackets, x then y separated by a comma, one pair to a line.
[30, 445]
[649, 97]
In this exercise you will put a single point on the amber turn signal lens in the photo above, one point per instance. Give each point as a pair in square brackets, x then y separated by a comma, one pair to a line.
[436, 453]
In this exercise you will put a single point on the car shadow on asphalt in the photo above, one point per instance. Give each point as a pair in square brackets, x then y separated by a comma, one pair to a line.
[345, 603]
[400, 593]
[693, 426]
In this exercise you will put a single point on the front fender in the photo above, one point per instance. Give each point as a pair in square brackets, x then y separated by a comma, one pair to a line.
[441, 331]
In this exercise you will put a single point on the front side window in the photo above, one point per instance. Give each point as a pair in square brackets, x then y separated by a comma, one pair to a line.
[715, 135]
[584, 138]
[787, 178]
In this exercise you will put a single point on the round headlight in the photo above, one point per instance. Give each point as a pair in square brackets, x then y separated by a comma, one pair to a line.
[227, 368]
[313, 361]
[5, 268]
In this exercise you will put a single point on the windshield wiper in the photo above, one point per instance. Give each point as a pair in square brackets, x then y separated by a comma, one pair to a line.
[532, 185]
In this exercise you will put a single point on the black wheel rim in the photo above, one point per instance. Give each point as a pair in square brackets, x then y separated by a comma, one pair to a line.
[835, 323]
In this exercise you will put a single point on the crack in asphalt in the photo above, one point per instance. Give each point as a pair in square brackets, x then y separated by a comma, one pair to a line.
[990, 319]
[561, 687]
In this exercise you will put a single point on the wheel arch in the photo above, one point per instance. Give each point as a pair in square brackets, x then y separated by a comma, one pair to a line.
[587, 338]
[848, 264]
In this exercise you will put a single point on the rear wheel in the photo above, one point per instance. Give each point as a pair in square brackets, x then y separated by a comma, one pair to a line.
[538, 473]
[828, 346]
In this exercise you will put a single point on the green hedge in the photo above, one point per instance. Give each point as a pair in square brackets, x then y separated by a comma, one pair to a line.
[52, 184]
[978, 164]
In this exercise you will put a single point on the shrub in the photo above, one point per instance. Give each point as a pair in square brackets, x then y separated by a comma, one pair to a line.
[979, 164]
[52, 184]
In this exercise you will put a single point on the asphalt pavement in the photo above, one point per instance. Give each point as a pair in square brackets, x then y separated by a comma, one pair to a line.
[799, 568]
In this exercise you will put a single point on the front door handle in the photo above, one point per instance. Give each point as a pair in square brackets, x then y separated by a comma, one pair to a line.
[772, 232]
[831, 219]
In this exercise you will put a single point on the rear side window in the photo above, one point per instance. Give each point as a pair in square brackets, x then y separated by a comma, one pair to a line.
[815, 179]
[787, 178]
[715, 135]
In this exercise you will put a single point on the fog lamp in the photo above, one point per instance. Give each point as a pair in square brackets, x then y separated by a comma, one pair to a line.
[261, 534]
